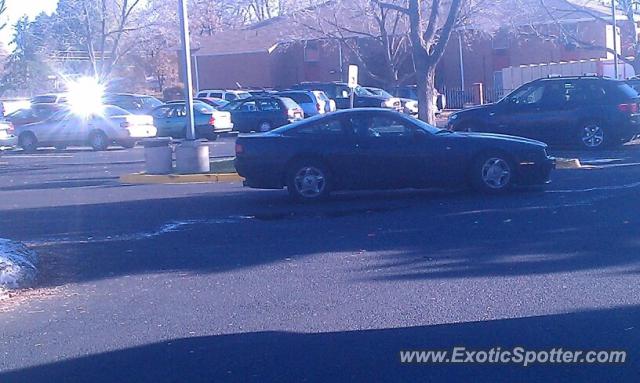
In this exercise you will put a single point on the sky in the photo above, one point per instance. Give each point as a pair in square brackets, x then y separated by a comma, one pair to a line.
[18, 8]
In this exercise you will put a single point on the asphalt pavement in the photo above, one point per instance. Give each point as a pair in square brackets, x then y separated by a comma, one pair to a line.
[216, 282]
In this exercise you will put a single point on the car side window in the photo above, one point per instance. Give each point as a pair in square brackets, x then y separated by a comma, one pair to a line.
[215, 95]
[381, 127]
[559, 93]
[249, 106]
[529, 95]
[593, 92]
[343, 92]
[268, 105]
[180, 111]
[230, 96]
[324, 128]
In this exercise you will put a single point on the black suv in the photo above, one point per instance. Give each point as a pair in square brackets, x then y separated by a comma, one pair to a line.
[341, 94]
[587, 111]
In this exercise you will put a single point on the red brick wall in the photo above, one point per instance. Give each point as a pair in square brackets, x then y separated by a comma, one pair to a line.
[248, 69]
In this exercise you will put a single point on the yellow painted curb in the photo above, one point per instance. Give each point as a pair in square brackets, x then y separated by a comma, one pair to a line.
[142, 178]
[568, 163]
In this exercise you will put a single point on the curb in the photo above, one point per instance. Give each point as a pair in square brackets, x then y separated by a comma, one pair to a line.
[568, 163]
[142, 178]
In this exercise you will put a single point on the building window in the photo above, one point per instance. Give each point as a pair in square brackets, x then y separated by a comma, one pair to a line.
[311, 52]
[500, 41]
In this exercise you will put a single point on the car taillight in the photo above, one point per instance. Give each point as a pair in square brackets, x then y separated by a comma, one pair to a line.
[239, 149]
[212, 121]
[319, 107]
[125, 124]
[10, 129]
[628, 108]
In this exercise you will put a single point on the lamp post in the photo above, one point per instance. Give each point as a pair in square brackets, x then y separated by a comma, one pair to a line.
[191, 156]
[186, 67]
[615, 38]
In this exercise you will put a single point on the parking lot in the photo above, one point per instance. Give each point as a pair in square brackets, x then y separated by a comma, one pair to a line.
[222, 275]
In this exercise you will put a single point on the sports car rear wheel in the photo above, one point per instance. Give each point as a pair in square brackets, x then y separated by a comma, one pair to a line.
[308, 180]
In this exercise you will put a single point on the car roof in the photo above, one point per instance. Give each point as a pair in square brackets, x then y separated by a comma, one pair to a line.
[128, 94]
[584, 78]
[223, 90]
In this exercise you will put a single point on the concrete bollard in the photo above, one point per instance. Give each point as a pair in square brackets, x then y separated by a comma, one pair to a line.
[158, 155]
[192, 157]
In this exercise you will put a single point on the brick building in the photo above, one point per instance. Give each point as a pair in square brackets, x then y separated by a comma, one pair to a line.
[277, 53]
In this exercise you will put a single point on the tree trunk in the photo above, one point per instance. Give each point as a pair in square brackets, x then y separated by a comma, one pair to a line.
[425, 81]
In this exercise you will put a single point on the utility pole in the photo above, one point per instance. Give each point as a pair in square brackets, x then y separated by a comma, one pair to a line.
[615, 38]
[186, 68]
[192, 156]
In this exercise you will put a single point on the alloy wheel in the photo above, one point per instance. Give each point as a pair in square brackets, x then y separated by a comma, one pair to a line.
[496, 173]
[592, 136]
[310, 182]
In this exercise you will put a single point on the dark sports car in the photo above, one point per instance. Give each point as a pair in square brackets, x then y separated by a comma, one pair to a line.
[382, 149]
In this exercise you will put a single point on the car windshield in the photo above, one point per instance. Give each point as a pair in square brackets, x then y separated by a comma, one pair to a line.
[233, 105]
[380, 92]
[113, 111]
[300, 98]
[360, 91]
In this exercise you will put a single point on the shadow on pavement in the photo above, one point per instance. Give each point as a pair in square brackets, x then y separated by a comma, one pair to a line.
[365, 356]
[403, 236]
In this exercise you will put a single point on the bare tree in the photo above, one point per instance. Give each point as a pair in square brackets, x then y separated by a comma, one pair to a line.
[374, 34]
[99, 28]
[550, 23]
[430, 25]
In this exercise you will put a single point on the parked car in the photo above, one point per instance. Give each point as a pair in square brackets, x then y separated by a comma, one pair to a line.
[217, 103]
[312, 102]
[8, 139]
[587, 112]
[227, 95]
[341, 94]
[171, 120]
[99, 130]
[409, 106]
[380, 149]
[262, 92]
[409, 95]
[261, 114]
[35, 113]
[133, 103]
[52, 98]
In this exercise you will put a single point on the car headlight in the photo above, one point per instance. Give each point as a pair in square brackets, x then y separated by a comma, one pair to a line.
[453, 117]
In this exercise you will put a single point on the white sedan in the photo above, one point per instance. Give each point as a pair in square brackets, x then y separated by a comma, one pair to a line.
[110, 125]
[7, 137]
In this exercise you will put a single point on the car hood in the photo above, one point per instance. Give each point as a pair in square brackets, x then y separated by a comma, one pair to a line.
[501, 137]
[475, 109]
